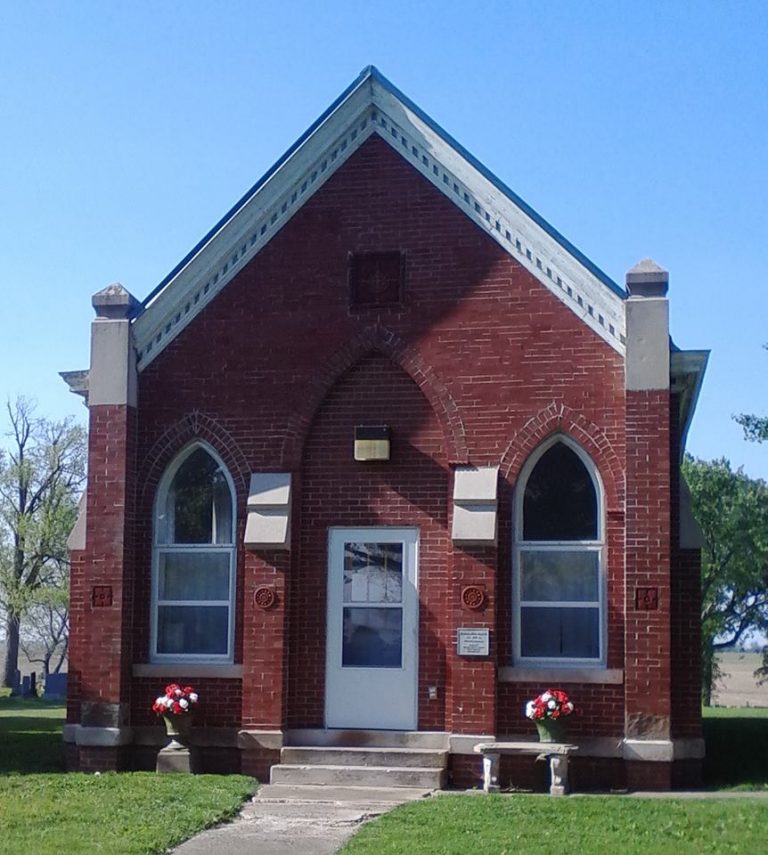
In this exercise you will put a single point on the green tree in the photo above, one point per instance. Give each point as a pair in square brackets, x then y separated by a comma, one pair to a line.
[45, 628]
[755, 427]
[732, 510]
[42, 471]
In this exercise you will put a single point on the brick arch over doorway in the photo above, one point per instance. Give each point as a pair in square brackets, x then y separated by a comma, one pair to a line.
[377, 339]
[409, 491]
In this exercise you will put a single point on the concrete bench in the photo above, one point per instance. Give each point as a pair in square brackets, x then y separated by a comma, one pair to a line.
[556, 752]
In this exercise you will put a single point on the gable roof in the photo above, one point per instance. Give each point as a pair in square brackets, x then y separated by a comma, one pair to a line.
[372, 105]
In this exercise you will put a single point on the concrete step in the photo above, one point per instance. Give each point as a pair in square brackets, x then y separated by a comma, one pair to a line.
[358, 776]
[281, 793]
[308, 755]
[417, 739]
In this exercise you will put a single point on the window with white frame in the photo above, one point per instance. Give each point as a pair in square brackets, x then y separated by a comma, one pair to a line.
[194, 560]
[559, 556]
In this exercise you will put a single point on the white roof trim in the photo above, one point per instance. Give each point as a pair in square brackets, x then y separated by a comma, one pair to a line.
[371, 107]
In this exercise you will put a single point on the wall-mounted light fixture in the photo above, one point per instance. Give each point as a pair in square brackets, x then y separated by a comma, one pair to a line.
[371, 442]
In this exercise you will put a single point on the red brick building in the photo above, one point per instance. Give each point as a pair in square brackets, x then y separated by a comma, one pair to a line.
[386, 454]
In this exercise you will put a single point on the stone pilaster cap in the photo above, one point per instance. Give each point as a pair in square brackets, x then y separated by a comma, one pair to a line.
[114, 302]
[647, 279]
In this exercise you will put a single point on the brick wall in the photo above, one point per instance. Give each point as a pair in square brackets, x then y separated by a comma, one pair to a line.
[278, 366]
[219, 706]
[685, 629]
[647, 639]
[480, 362]
[101, 609]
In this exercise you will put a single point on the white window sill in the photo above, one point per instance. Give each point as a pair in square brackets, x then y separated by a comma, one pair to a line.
[511, 674]
[188, 669]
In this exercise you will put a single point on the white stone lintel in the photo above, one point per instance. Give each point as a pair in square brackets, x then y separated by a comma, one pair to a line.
[268, 525]
[475, 484]
[607, 676]
[475, 493]
[170, 670]
[474, 524]
[269, 489]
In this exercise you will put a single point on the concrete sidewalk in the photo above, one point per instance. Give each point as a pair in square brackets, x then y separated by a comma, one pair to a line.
[283, 819]
[308, 820]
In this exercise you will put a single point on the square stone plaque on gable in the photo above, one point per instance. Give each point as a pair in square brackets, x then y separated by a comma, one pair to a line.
[376, 278]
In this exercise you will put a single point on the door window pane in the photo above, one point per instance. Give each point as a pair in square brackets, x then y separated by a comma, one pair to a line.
[372, 638]
[560, 632]
[560, 575]
[373, 572]
[194, 576]
[193, 630]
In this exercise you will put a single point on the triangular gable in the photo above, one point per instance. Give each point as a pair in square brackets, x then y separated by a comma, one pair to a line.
[372, 105]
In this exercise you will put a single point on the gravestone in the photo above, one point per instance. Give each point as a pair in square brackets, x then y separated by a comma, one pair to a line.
[29, 686]
[56, 686]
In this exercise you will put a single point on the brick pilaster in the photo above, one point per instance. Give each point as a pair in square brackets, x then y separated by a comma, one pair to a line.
[647, 587]
[102, 584]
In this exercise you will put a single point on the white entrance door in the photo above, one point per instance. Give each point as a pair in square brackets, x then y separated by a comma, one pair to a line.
[373, 612]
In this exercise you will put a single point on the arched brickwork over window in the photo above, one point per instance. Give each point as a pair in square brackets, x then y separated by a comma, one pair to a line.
[559, 418]
[194, 426]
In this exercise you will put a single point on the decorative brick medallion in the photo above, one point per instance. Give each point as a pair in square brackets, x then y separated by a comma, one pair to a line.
[647, 599]
[101, 596]
[265, 597]
[473, 597]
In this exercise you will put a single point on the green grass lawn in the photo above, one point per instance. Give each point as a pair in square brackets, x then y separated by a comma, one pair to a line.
[30, 736]
[737, 758]
[735, 712]
[540, 825]
[737, 747]
[46, 812]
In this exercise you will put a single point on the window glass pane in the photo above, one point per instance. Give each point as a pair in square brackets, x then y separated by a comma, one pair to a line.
[559, 575]
[222, 509]
[373, 572]
[560, 501]
[194, 576]
[560, 633]
[202, 630]
[199, 505]
[373, 638]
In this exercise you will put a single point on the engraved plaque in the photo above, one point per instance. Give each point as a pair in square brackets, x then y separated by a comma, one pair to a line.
[473, 642]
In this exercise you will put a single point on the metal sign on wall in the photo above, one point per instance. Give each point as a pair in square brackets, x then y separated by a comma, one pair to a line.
[473, 642]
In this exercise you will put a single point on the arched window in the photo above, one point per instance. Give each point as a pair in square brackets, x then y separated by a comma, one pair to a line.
[194, 560]
[559, 548]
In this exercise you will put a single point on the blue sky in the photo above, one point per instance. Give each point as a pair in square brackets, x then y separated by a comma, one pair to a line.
[636, 128]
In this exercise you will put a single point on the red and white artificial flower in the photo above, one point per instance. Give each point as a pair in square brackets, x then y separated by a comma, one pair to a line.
[554, 703]
[177, 700]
